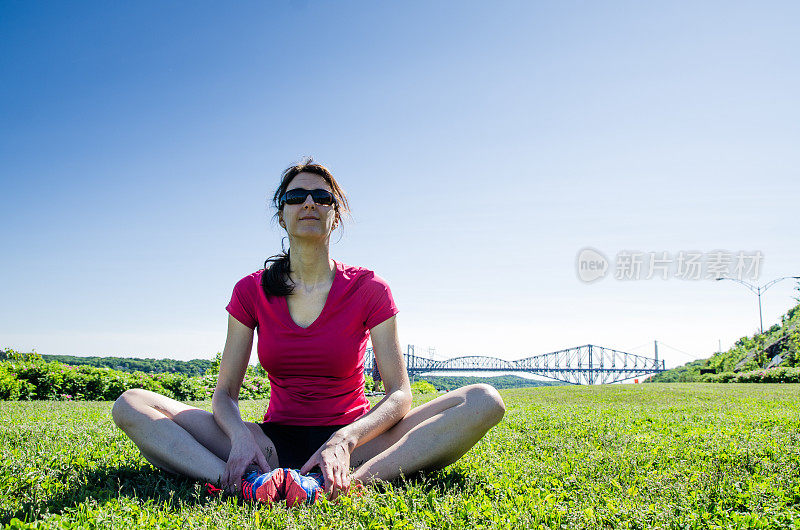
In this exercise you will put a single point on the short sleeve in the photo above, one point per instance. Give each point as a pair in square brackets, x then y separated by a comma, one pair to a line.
[378, 302]
[242, 306]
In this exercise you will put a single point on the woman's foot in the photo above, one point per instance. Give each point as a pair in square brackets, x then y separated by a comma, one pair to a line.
[289, 485]
[302, 489]
[268, 487]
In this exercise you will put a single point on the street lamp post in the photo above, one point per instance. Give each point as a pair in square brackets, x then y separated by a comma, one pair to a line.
[758, 290]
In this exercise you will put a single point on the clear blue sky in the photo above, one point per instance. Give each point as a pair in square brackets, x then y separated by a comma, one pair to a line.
[482, 145]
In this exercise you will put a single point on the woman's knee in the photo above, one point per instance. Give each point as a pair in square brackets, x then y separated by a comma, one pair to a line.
[486, 401]
[121, 408]
[127, 404]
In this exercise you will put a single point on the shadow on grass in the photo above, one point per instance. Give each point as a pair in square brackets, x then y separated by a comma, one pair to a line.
[143, 482]
[134, 481]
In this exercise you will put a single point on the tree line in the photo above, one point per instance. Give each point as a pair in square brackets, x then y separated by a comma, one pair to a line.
[195, 367]
[448, 383]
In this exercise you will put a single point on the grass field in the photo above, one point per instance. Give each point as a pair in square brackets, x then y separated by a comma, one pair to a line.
[635, 456]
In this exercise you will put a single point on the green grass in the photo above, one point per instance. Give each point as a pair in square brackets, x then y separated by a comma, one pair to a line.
[636, 456]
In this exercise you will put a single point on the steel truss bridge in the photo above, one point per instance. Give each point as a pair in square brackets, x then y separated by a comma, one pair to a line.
[581, 365]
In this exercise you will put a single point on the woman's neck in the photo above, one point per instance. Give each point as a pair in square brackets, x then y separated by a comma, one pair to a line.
[310, 264]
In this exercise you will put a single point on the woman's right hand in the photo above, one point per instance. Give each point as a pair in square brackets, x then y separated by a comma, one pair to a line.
[244, 454]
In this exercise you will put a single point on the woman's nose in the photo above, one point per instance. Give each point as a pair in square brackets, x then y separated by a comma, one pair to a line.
[309, 202]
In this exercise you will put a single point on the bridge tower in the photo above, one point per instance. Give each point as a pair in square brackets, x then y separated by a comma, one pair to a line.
[410, 366]
[655, 342]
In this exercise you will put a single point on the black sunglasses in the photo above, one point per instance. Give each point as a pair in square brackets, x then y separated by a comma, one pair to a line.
[298, 196]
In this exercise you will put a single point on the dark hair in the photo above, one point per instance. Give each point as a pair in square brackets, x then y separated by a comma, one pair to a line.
[275, 280]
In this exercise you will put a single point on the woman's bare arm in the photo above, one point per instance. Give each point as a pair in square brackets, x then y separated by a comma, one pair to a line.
[334, 457]
[397, 401]
[225, 405]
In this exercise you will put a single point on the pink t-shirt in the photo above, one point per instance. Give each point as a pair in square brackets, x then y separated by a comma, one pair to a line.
[316, 373]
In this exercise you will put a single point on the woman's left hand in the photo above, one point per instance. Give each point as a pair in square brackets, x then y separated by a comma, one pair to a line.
[333, 459]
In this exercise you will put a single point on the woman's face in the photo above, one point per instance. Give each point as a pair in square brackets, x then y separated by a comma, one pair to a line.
[308, 219]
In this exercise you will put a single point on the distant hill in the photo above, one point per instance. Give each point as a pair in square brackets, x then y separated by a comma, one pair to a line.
[448, 383]
[194, 367]
[777, 346]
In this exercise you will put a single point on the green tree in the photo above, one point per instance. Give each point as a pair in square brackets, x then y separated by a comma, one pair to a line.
[214, 370]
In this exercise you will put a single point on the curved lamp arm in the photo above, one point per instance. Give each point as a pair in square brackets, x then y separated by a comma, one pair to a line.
[756, 289]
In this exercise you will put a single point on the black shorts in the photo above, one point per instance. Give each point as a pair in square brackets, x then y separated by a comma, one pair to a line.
[296, 443]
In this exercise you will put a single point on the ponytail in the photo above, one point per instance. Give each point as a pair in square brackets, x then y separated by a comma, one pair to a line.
[275, 280]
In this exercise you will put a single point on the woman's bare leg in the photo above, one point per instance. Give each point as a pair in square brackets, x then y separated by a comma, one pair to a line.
[431, 436]
[178, 438]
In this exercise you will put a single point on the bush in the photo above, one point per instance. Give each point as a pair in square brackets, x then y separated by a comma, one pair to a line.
[254, 387]
[182, 388]
[773, 375]
[27, 376]
[724, 377]
[12, 388]
[46, 379]
[422, 387]
[781, 375]
[12, 355]
[85, 382]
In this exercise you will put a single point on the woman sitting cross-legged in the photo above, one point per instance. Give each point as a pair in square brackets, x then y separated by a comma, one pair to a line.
[314, 316]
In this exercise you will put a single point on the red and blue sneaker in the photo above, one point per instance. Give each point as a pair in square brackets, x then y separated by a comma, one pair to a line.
[268, 487]
[302, 489]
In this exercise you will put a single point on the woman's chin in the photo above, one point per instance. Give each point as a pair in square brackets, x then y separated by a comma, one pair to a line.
[310, 234]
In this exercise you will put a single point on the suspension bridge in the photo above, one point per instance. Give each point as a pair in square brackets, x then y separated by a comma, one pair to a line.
[581, 365]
